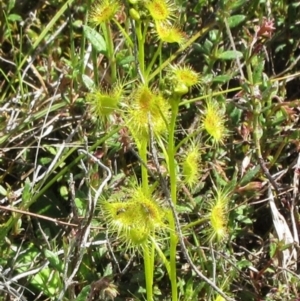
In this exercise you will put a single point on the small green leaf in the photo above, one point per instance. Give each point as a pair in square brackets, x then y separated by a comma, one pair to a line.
[126, 60]
[26, 195]
[47, 281]
[80, 204]
[230, 55]
[63, 190]
[258, 71]
[250, 175]
[273, 249]
[83, 295]
[234, 21]
[95, 38]
[52, 150]
[77, 23]
[3, 190]
[244, 263]
[197, 46]
[207, 46]
[222, 79]
[54, 260]
[235, 4]
[45, 160]
[88, 82]
[14, 18]
[11, 5]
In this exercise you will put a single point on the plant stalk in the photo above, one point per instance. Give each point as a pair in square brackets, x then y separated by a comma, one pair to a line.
[173, 185]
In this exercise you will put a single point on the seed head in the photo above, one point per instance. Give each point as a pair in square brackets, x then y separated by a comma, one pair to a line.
[146, 106]
[136, 221]
[218, 217]
[191, 165]
[213, 121]
[170, 33]
[103, 103]
[103, 11]
[185, 75]
[160, 10]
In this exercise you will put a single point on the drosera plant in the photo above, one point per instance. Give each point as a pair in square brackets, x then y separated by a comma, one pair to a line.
[151, 114]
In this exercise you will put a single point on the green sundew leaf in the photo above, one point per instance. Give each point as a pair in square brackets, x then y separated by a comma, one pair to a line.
[230, 55]
[88, 82]
[234, 21]
[95, 38]
[83, 295]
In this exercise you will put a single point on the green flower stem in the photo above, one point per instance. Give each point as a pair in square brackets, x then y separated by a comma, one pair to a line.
[148, 258]
[141, 47]
[148, 264]
[128, 40]
[173, 245]
[143, 155]
[157, 52]
[83, 40]
[173, 184]
[171, 149]
[110, 50]
[161, 254]
[95, 66]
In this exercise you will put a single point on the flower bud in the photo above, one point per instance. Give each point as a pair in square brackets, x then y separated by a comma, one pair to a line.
[134, 14]
[181, 89]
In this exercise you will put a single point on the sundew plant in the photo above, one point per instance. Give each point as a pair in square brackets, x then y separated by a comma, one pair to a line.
[149, 150]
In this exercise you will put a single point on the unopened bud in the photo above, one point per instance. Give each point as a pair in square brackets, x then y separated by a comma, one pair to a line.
[134, 14]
